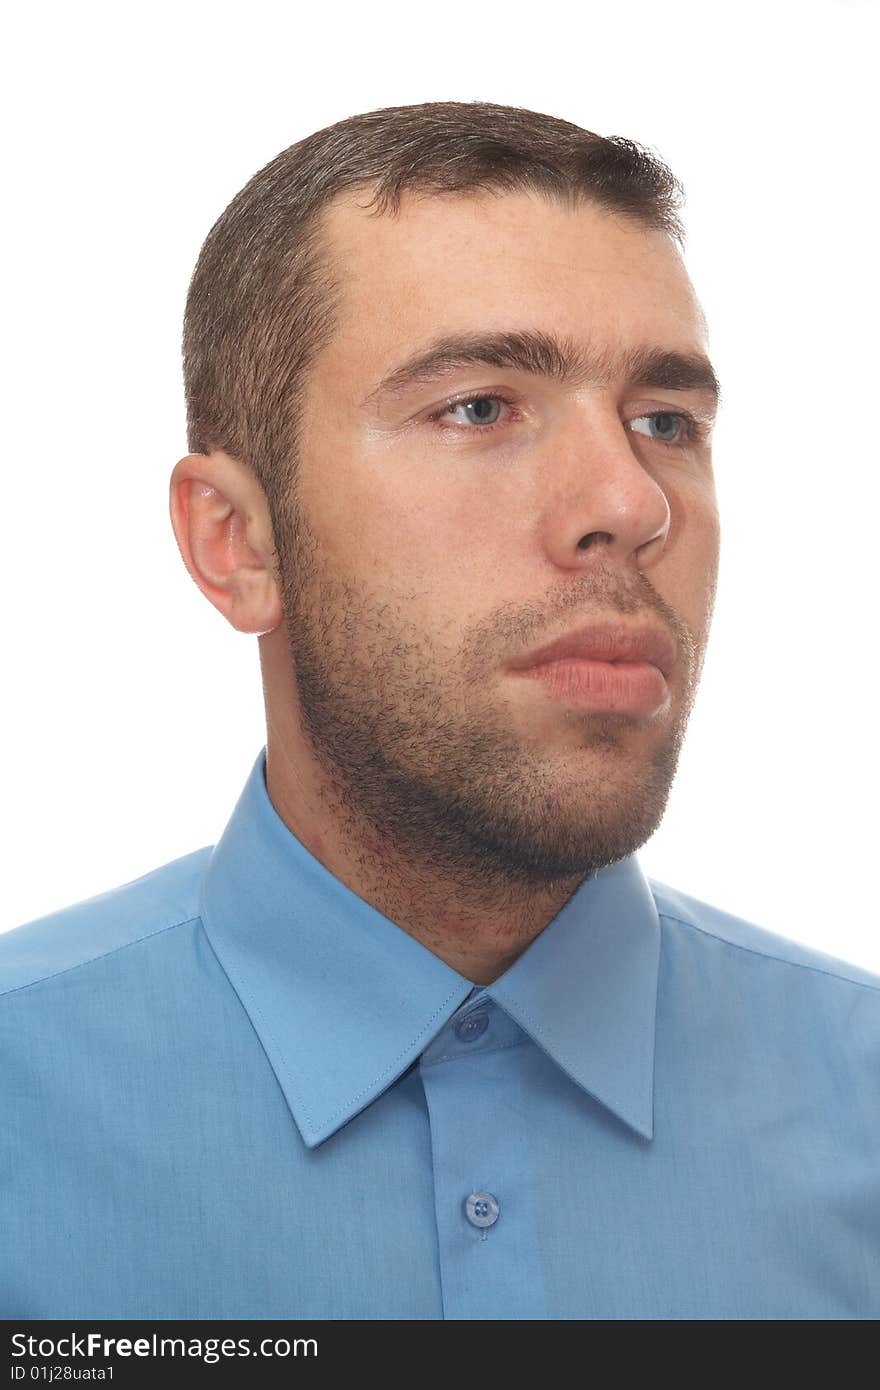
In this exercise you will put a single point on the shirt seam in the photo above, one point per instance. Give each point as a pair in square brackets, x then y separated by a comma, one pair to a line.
[475, 1052]
[769, 955]
[102, 955]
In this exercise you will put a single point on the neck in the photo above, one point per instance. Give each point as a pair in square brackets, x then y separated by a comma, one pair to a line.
[478, 925]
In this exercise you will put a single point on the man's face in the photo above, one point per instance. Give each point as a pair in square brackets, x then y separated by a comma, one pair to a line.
[433, 552]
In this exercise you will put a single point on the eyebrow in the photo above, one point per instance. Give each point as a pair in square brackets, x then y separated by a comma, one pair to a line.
[544, 354]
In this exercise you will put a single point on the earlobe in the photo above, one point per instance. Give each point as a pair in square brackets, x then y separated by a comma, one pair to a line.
[222, 527]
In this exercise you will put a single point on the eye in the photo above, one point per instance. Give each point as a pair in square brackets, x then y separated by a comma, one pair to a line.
[683, 428]
[485, 412]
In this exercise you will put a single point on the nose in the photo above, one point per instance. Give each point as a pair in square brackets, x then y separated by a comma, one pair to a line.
[604, 497]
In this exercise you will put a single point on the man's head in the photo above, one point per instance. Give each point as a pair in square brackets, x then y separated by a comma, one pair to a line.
[401, 547]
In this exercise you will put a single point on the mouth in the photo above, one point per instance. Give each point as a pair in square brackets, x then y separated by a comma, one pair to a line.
[633, 687]
[609, 644]
[605, 666]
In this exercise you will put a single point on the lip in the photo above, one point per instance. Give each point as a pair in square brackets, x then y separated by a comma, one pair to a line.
[607, 642]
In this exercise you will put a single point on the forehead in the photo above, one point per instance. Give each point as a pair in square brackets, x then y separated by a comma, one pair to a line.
[482, 261]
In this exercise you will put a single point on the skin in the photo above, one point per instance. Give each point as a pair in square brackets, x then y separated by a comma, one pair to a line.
[456, 797]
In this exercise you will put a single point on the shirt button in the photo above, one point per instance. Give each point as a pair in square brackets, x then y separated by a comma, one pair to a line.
[471, 1026]
[481, 1209]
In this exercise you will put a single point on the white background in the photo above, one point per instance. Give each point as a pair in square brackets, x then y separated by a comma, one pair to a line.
[132, 711]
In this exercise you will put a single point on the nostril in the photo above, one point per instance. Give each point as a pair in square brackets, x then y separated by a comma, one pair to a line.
[586, 541]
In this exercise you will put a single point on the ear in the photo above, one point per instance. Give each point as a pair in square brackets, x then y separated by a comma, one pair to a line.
[224, 533]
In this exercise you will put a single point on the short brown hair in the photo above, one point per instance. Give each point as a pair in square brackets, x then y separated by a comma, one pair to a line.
[262, 299]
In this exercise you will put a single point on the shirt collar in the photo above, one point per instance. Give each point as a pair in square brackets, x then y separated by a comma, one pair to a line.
[344, 1001]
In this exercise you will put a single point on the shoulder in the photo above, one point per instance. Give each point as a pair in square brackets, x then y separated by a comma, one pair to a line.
[100, 926]
[710, 925]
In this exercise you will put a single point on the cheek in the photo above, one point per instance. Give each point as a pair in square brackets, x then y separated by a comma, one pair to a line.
[693, 559]
[707, 523]
[396, 531]
[441, 557]
[693, 514]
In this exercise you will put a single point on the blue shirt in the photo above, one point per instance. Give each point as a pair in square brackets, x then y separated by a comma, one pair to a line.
[232, 1089]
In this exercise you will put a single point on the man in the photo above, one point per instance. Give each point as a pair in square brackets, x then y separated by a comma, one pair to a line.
[417, 1039]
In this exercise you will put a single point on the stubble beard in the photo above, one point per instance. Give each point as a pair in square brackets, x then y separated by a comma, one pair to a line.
[427, 774]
